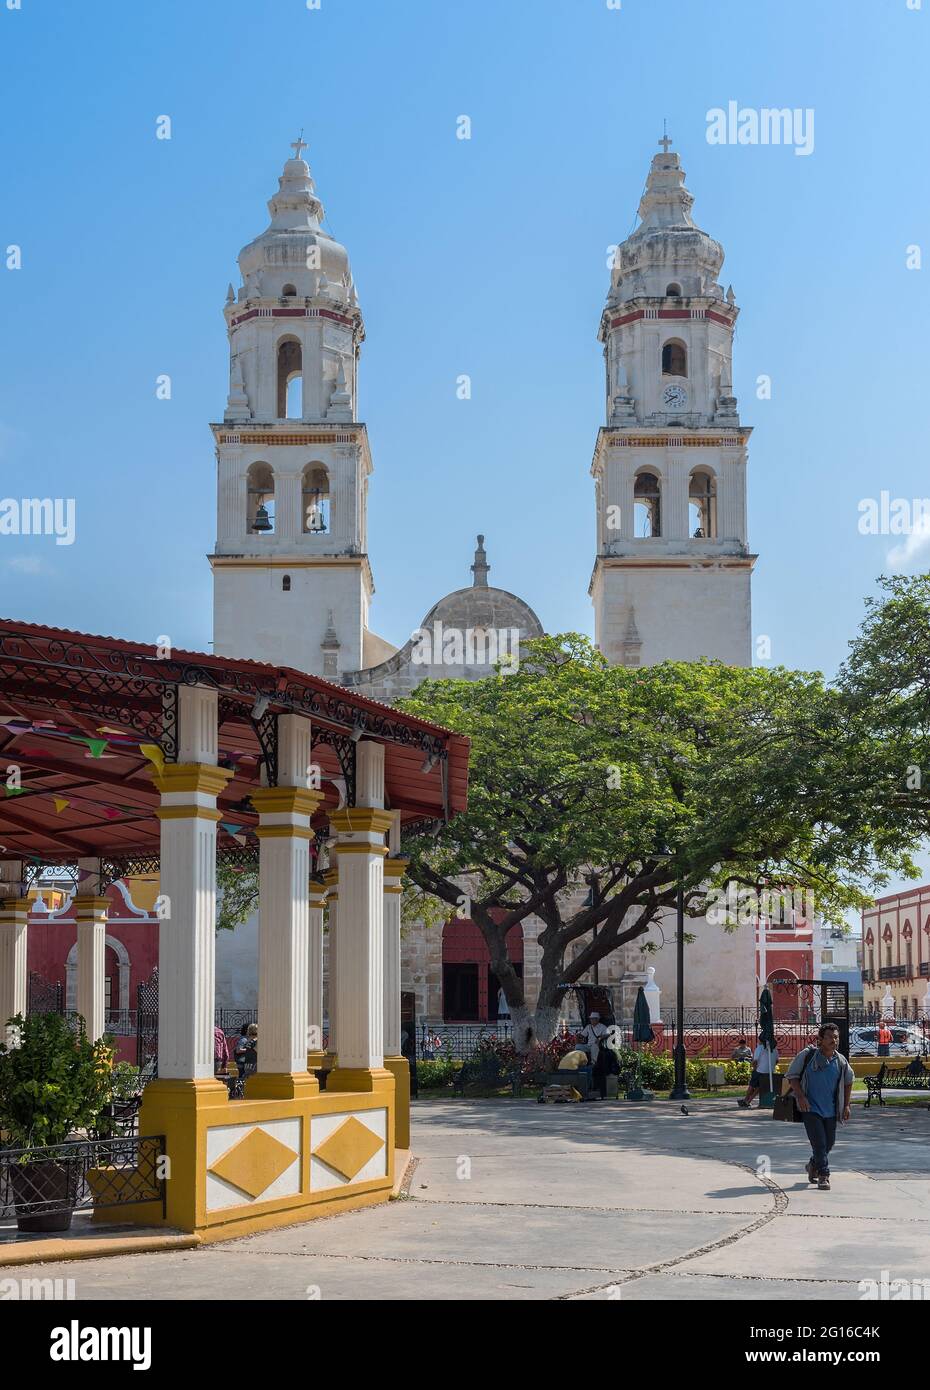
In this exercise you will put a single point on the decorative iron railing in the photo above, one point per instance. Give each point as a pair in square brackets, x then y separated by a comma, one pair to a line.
[44, 996]
[81, 1175]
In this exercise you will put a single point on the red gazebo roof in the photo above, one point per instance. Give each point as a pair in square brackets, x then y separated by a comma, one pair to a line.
[86, 718]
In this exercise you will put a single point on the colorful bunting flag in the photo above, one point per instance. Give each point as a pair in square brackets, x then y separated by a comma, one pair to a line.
[60, 803]
[153, 753]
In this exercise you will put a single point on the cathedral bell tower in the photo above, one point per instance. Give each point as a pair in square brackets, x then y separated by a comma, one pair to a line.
[672, 575]
[291, 579]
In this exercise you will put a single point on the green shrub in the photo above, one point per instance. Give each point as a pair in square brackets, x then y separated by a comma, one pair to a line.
[436, 1073]
[53, 1082]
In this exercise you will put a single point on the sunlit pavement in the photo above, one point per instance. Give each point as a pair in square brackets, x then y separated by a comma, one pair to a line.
[514, 1200]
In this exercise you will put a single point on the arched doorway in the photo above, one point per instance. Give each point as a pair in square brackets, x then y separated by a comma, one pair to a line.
[469, 985]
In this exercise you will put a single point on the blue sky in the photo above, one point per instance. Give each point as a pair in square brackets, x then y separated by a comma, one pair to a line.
[484, 257]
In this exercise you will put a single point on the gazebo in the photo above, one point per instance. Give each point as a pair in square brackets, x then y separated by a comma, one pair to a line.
[123, 758]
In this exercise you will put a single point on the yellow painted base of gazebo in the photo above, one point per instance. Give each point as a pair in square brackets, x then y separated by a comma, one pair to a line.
[234, 1167]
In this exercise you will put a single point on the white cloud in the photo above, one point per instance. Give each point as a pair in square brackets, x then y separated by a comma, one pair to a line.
[905, 555]
[27, 564]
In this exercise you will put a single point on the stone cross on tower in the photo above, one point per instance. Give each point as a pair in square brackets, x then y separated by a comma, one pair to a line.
[298, 145]
[666, 140]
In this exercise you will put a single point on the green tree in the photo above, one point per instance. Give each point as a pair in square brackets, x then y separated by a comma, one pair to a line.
[886, 681]
[692, 772]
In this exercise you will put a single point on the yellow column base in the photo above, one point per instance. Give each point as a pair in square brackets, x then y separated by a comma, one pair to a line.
[281, 1086]
[178, 1110]
[399, 1068]
[330, 1061]
[359, 1079]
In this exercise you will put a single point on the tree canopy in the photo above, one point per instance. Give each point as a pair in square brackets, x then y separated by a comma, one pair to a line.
[698, 773]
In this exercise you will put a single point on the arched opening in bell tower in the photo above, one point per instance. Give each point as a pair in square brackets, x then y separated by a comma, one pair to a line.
[290, 379]
[646, 506]
[702, 505]
[674, 358]
[260, 499]
[315, 499]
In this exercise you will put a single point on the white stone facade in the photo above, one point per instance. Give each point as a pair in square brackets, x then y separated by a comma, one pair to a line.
[672, 569]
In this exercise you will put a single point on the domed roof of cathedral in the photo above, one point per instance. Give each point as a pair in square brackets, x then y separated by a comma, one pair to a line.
[666, 249]
[483, 606]
[277, 261]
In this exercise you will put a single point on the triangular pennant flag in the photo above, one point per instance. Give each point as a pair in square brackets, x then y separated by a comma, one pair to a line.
[96, 746]
[110, 812]
[154, 754]
[60, 803]
[15, 791]
[229, 827]
[239, 839]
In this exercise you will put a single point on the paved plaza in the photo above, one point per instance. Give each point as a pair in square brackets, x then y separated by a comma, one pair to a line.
[513, 1200]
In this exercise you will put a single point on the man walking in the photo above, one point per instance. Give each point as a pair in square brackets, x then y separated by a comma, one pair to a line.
[821, 1081]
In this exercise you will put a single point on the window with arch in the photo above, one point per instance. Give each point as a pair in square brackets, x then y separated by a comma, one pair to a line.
[286, 583]
[702, 505]
[260, 499]
[647, 519]
[289, 292]
[290, 379]
[315, 499]
[673, 291]
[674, 358]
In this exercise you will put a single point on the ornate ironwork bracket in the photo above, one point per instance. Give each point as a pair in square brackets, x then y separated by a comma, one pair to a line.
[344, 747]
[266, 731]
[169, 722]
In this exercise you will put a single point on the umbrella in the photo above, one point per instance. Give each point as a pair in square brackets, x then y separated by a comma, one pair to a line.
[767, 1028]
[642, 1033]
[642, 1026]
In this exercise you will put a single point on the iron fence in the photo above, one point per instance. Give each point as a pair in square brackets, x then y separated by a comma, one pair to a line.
[456, 1040]
[44, 996]
[81, 1175]
[232, 1020]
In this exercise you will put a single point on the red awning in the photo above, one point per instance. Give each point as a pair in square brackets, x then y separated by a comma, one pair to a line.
[85, 719]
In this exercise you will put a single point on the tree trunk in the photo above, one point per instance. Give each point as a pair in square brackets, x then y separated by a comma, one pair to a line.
[533, 1028]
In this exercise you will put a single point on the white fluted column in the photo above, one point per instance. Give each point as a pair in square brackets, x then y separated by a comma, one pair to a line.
[331, 880]
[394, 1060]
[284, 916]
[186, 934]
[360, 852]
[90, 1000]
[14, 913]
[315, 1054]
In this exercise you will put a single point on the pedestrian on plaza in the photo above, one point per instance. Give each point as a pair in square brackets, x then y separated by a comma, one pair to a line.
[241, 1047]
[220, 1052]
[408, 1048]
[759, 1076]
[742, 1052]
[821, 1081]
[884, 1039]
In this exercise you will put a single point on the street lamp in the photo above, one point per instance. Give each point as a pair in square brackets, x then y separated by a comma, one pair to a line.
[680, 1089]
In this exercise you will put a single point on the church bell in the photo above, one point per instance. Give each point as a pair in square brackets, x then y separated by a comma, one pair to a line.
[262, 521]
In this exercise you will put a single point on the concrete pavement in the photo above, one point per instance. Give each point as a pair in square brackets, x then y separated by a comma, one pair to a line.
[513, 1200]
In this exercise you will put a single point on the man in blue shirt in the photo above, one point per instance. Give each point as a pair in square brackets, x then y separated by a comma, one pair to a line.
[821, 1081]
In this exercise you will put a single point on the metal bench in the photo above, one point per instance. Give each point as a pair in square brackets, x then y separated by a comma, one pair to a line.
[896, 1078]
[486, 1071]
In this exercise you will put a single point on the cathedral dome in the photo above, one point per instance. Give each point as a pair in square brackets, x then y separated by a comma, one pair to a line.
[294, 256]
[667, 254]
[482, 607]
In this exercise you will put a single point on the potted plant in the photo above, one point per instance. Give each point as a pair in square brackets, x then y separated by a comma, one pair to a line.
[52, 1082]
